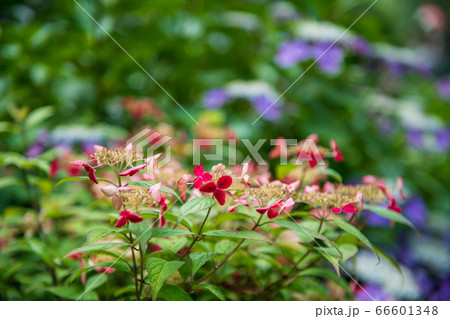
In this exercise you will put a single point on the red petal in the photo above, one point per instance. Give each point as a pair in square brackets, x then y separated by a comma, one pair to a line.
[208, 188]
[349, 208]
[198, 181]
[199, 170]
[135, 218]
[91, 175]
[336, 210]
[77, 163]
[124, 213]
[262, 210]
[207, 177]
[272, 213]
[121, 222]
[220, 196]
[224, 182]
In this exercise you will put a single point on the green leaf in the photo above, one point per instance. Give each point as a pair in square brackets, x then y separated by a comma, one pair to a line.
[352, 230]
[174, 244]
[95, 281]
[159, 270]
[142, 233]
[306, 234]
[78, 178]
[151, 214]
[150, 184]
[328, 274]
[389, 214]
[241, 234]
[168, 232]
[332, 173]
[195, 205]
[119, 265]
[348, 251]
[199, 259]
[389, 259]
[174, 293]
[98, 233]
[8, 127]
[97, 247]
[216, 291]
[227, 217]
[72, 293]
[282, 171]
[332, 260]
[38, 116]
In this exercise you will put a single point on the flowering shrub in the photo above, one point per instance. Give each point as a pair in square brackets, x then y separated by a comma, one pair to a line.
[227, 233]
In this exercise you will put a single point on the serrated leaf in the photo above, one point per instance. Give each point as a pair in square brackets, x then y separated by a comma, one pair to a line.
[216, 291]
[78, 178]
[241, 234]
[168, 232]
[352, 230]
[195, 205]
[199, 259]
[307, 234]
[173, 244]
[164, 189]
[174, 293]
[159, 270]
[101, 246]
[389, 214]
[95, 281]
[231, 216]
[151, 214]
[98, 233]
[119, 265]
[71, 293]
[332, 260]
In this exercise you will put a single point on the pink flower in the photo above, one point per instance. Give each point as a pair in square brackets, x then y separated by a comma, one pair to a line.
[311, 157]
[336, 153]
[202, 176]
[239, 202]
[277, 207]
[125, 216]
[183, 185]
[132, 171]
[217, 190]
[400, 188]
[89, 169]
[279, 149]
[347, 208]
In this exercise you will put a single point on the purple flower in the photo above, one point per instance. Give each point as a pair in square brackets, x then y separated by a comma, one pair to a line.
[415, 138]
[361, 46]
[291, 53]
[215, 98]
[330, 57]
[263, 104]
[375, 292]
[442, 139]
[444, 88]
[424, 281]
[416, 210]
[35, 150]
[443, 292]
[395, 68]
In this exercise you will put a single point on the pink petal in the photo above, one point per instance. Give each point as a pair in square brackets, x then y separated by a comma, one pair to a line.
[220, 196]
[208, 187]
[224, 182]
[198, 181]
[199, 170]
[182, 185]
[77, 163]
[109, 190]
[336, 210]
[117, 201]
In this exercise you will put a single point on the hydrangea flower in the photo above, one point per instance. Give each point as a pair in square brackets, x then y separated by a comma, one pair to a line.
[218, 189]
[291, 53]
[125, 216]
[201, 176]
[215, 98]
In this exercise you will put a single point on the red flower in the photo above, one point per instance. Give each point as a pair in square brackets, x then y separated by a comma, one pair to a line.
[311, 157]
[218, 189]
[88, 168]
[347, 208]
[132, 171]
[277, 207]
[336, 153]
[202, 176]
[393, 206]
[76, 256]
[125, 216]
[54, 168]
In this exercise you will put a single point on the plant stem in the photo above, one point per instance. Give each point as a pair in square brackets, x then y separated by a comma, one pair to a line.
[197, 237]
[141, 253]
[230, 253]
[136, 282]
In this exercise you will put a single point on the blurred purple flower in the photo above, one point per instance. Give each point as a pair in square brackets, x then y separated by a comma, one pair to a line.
[416, 210]
[395, 68]
[377, 220]
[215, 98]
[375, 292]
[444, 88]
[442, 139]
[361, 46]
[35, 150]
[330, 61]
[292, 52]
[424, 281]
[415, 138]
[443, 292]
[262, 103]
